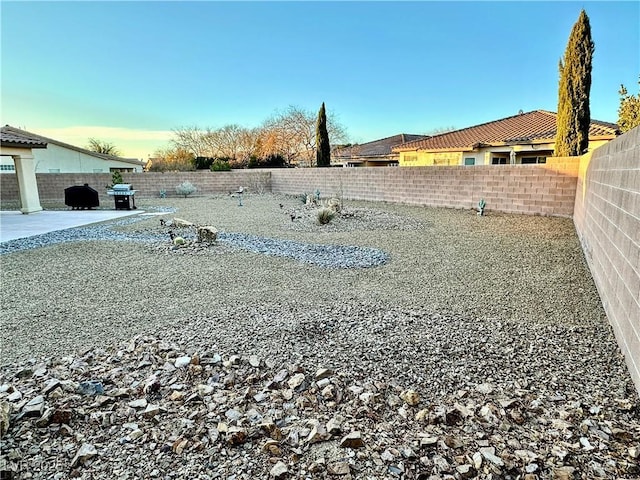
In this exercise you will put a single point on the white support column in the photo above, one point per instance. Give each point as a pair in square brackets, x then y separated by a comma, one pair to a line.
[26, 172]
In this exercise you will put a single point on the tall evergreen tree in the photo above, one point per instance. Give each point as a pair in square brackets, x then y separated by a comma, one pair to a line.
[323, 149]
[574, 115]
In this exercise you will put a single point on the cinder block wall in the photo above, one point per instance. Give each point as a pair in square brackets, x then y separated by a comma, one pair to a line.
[147, 185]
[529, 189]
[607, 220]
[547, 189]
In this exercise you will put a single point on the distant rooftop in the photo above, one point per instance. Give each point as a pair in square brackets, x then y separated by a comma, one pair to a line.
[377, 148]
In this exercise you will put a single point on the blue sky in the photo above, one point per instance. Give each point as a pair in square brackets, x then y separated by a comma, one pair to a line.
[129, 72]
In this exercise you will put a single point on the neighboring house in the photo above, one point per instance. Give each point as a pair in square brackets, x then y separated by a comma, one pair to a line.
[378, 153]
[61, 157]
[523, 138]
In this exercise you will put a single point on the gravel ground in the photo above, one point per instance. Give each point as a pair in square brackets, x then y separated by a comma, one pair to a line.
[456, 307]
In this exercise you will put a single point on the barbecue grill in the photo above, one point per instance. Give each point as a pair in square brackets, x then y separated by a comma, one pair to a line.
[81, 197]
[123, 195]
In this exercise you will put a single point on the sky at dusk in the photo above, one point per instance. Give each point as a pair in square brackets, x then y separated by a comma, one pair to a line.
[130, 72]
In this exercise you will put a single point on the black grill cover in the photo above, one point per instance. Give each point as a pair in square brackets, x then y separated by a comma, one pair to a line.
[81, 196]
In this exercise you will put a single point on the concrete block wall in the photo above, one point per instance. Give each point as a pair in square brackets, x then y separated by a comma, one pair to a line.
[607, 220]
[148, 185]
[547, 189]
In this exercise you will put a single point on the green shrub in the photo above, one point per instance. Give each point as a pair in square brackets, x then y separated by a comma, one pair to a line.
[203, 163]
[116, 178]
[270, 161]
[220, 165]
[325, 215]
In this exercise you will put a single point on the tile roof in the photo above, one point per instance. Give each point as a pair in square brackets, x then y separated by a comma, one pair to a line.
[13, 131]
[10, 137]
[537, 125]
[377, 148]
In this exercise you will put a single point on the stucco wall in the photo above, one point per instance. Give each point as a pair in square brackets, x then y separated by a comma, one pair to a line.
[64, 160]
[607, 220]
[482, 155]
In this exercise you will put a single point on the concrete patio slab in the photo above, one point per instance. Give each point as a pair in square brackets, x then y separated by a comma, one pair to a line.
[14, 224]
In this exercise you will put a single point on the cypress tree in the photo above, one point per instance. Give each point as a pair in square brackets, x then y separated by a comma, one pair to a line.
[323, 149]
[574, 116]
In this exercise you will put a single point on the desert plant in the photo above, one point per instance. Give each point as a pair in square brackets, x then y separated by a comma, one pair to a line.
[481, 206]
[325, 215]
[334, 204]
[186, 189]
[258, 183]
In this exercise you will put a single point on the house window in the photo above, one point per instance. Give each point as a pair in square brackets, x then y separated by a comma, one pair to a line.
[7, 168]
[120, 169]
[529, 160]
[440, 161]
[470, 161]
[499, 160]
[411, 158]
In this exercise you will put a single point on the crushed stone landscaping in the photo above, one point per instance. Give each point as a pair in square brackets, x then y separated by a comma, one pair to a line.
[393, 342]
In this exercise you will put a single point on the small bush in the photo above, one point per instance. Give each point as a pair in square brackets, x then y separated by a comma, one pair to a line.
[203, 163]
[270, 161]
[186, 189]
[220, 165]
[325, 215]
[116, 178]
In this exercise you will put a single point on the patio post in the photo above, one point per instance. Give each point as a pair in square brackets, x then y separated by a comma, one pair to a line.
[27, 184]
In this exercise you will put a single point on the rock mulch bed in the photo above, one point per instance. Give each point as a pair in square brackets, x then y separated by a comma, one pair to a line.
[152, 409]
[478, 350]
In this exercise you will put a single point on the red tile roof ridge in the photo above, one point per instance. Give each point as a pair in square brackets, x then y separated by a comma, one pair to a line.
[535, 125]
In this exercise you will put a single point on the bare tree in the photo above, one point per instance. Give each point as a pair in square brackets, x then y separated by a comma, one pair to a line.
[101, 146]
[232, 142]
[191, 139]
[440, 130]
[171, 159]
[292, 134]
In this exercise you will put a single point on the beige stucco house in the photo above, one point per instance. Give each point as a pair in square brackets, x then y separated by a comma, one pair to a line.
[59, 157]
[524, 138]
